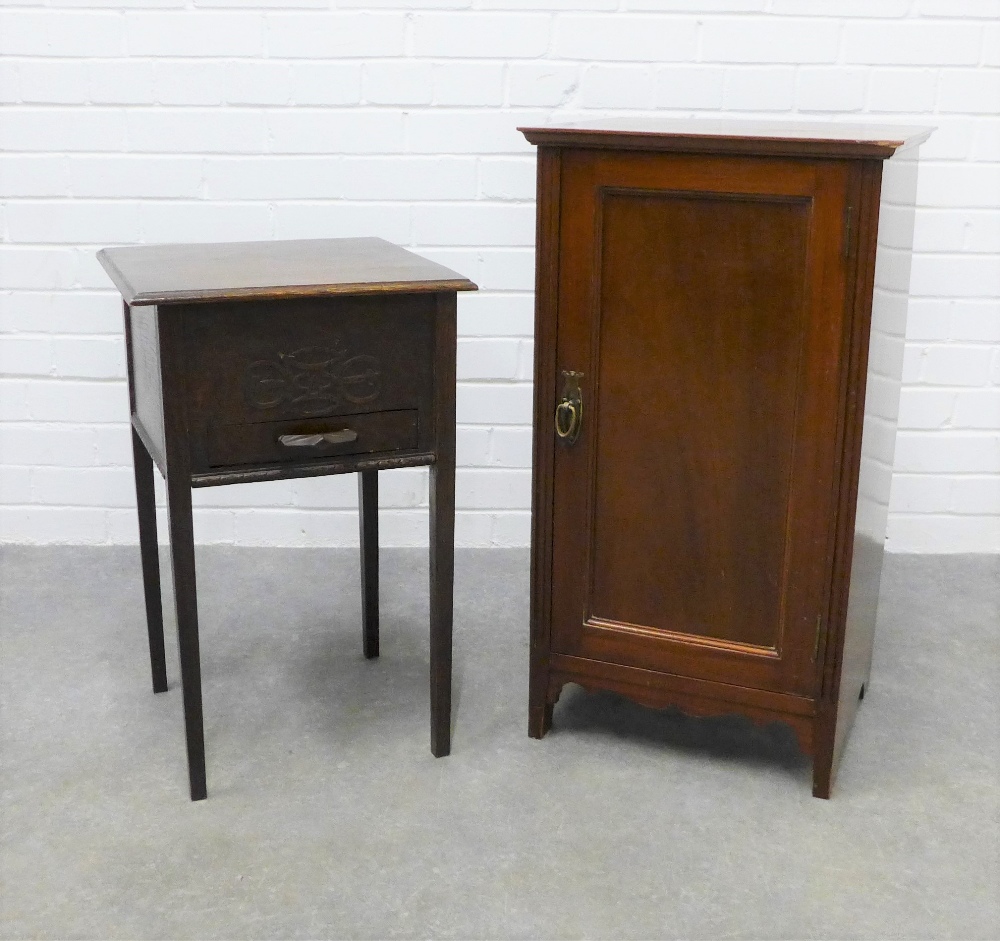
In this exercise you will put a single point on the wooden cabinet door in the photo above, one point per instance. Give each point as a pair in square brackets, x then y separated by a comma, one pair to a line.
[703, 299]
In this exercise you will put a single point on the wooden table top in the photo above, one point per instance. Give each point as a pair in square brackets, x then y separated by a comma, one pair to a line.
[192, 273]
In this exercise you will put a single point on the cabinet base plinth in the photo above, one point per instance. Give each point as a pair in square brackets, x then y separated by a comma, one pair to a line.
[812, 722]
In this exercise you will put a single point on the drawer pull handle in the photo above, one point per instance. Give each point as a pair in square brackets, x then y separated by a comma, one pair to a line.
[326, 437]
[569, 411]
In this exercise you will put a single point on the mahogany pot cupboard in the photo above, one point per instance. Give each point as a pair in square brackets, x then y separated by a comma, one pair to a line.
[720, 311]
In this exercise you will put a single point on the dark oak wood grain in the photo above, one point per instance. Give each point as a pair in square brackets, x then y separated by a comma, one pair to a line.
[146, 388]
[199, 273]
[317, 467]
[264, 361]
[707, 289]
[182, 560]
[359, 362]
[145, 498]
[442, 524]
[368, 524]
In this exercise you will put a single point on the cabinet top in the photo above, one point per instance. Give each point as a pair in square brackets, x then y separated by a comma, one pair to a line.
[172, 274]
[767, 138]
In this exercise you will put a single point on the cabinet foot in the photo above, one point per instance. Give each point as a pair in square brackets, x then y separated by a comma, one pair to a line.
[821, 785]
[824, 757]
[539, 720]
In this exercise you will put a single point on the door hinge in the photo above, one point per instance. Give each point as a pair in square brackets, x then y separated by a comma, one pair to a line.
[819, 624]
[848, 230]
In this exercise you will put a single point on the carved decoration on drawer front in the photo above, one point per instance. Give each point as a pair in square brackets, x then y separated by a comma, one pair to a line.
[313, 380]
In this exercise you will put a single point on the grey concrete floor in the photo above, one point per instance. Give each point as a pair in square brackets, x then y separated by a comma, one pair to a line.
[328, 817]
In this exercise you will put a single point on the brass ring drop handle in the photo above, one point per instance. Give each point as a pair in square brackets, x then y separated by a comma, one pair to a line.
[310, 441]
[566, 427]
[569, 411]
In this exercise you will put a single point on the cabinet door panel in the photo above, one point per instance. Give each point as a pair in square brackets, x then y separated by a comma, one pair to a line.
[702, 300]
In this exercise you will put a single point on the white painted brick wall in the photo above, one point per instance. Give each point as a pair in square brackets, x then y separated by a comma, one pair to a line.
[130, 121]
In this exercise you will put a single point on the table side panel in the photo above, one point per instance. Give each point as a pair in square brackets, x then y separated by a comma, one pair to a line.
[147, 384]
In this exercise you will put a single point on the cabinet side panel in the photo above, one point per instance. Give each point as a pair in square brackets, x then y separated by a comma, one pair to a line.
[147, 387]
[546, 308]
[894, 244]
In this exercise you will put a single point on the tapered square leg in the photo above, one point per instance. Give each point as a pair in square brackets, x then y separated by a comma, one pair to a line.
[442, 524]
[368, 509]
[186, 603]
[442, 568]
[145, 499]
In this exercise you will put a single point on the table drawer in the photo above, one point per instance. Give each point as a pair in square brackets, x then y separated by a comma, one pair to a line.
[260, 370]
[300, 441]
